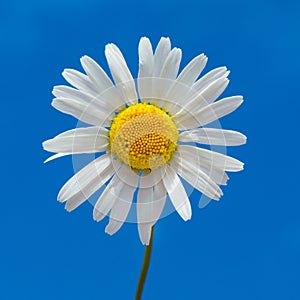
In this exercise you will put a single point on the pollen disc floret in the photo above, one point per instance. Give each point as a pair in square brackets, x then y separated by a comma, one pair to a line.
[143, 136]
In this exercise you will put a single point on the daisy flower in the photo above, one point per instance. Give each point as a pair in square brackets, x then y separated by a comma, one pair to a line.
[147, 133]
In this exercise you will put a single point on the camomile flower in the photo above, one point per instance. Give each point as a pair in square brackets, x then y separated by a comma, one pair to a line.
[148, 134]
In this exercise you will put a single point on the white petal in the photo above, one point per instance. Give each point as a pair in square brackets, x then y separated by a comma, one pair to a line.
[217, 159]
[105, 105]
[190, 170]
[177, 194]
[171, 65]
[209, 113]
[218, 109]
[84, 130]
[215, 173]
[176, 97]
[162, 84]
[128, 176]
[161, 53]
[144, 230]
[89, 190]
[146, 61]
[151, 202]
[122, 205]
[87, 113]
[87, 181]
[214, 90]
[159, 197]
[203, 99]
[57, 155]
[191, 72]
[108, 198]
[159, 200]
[80, 81]
[63, 91]
[144, 214]
[208, 78]
[84, 177]
[146, 58]
[120, 210]
[96, 73]
[79, 140]
[152, 178]
[213, 136]
[121, 74]
[107, 90]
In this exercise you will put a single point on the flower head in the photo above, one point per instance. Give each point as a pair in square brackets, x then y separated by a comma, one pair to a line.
[147, 134]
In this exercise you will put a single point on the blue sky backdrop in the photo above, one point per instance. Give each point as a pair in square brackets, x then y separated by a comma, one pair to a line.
[247, 246]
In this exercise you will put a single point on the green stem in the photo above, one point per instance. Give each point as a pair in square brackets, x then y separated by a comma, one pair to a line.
[145, 267]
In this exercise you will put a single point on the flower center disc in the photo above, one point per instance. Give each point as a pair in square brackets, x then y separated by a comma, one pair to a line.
[143, 136]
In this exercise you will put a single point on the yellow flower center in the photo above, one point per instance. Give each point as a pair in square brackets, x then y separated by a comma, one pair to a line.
[143, 136]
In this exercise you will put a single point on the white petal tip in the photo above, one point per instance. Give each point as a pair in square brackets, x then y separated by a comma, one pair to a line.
[241, 139]
[109, 230]
[54, 102]
[85, 58]
[97, 216]
[54, 91]
[69, 207]
[60, 197]
[145, 242]
[109, 46]
[216, 196]
[57, 155]
[165, 38]
[185, 212]
[144, 230]
[144, 38]
[186, 218]
[66, 71]
[49, 159]
[201, 57]
[113, 226]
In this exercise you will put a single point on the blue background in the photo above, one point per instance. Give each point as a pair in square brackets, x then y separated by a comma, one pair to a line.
[247, 246]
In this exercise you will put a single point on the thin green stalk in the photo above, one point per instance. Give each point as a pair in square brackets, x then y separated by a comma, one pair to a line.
[145, 267]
